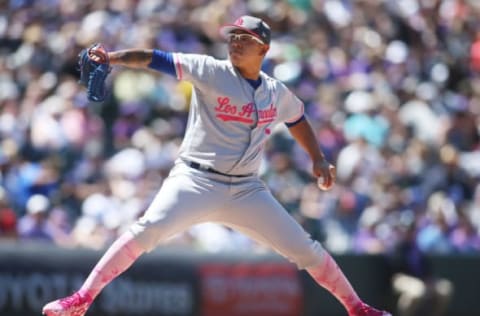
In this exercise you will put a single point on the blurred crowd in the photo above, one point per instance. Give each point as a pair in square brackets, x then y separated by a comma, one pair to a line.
[391, 87]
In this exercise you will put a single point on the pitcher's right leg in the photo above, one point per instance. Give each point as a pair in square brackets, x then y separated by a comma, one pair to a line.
[182, 201]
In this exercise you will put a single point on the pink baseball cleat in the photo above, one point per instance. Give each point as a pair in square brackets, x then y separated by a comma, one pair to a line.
[363, 309]
[74, 305]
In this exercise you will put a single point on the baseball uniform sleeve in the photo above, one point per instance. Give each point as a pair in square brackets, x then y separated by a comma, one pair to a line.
[291, 108]
[198, 69]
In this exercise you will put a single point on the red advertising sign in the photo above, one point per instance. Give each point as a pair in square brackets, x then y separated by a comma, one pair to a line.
[250, 289]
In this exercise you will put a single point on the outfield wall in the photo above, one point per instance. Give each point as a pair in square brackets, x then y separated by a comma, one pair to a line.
[175, 282]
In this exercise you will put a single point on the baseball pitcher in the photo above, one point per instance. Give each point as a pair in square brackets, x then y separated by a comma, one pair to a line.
[234, 107]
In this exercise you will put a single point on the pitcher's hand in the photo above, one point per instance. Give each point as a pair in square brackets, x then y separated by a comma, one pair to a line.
[326, 174]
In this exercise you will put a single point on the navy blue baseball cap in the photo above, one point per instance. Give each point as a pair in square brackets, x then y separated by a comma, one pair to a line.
[252, 25]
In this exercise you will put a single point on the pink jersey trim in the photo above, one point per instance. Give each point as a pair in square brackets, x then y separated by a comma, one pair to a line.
[178, 66]
[226, 117]
[297, 117]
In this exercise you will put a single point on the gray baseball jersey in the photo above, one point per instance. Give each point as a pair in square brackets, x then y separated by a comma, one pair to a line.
[228, 125]
[229, 120]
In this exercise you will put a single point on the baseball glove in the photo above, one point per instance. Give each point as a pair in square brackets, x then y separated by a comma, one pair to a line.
[93, 73]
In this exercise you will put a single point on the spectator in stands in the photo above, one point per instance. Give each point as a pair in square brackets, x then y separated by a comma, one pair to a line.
[35, 225]
[464, 236]
[8, 219]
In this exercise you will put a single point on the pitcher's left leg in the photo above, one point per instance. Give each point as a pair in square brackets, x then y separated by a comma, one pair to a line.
[259, 215]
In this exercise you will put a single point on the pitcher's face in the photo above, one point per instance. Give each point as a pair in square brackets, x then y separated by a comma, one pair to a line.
[245, 48]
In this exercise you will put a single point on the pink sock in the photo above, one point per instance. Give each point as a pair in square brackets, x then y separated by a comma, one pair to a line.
[121, 255]
[329, 275]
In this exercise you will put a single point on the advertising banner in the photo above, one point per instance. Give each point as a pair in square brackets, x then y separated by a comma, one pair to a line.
[250, 289]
